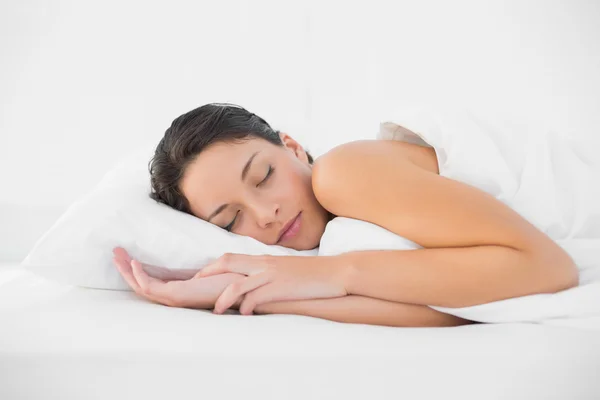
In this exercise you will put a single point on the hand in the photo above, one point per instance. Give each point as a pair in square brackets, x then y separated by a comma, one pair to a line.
[175, 288]
[162, 273]
[275, 278]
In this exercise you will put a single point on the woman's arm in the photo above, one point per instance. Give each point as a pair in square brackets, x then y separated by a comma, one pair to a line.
[448, 277]
[476, 249]
[356, 309]
[363, 310]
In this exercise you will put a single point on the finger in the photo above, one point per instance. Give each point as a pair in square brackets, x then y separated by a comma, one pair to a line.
[237, 289]
[125, 271]
[127, 274]
[204, 274]
[184, 274]
[121, 253]
[148, 283]
[167, 274]
[238, 263]
[215, 268]
[164, 292]
[262, 295]
[161, 273]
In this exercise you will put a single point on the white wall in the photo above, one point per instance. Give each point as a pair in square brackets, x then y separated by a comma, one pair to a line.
[83, 83]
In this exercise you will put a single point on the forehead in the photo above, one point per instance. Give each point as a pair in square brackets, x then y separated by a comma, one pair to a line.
[214, 177]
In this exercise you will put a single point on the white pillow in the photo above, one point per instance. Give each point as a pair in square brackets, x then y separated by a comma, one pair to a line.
[77, 249]
[343, 235]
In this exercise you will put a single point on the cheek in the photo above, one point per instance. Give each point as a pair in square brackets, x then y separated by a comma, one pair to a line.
[296, 185]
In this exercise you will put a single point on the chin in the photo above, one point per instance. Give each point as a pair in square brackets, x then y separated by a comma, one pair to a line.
[305, 248]
[311, 245]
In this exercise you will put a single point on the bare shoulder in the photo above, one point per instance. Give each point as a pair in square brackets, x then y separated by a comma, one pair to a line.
[347, 163]
[367, 169]
[364, 150]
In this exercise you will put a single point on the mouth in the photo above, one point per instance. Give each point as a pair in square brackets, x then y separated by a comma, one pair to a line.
[290, 229]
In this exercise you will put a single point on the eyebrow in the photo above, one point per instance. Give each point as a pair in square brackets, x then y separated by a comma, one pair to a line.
[244, 174]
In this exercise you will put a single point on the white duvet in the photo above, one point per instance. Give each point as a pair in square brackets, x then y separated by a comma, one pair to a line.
[537, 172]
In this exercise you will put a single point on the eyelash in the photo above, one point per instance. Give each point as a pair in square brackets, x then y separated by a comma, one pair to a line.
[229, 227]
[271, 169]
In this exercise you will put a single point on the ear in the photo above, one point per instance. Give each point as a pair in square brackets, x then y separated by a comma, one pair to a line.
[294, 147]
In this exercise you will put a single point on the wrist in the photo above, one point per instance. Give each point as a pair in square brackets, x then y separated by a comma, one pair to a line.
[344, 269]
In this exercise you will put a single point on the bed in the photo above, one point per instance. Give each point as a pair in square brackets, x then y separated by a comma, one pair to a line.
[66, 342]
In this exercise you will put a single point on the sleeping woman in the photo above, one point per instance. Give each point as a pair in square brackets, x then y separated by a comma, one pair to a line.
[227, 166]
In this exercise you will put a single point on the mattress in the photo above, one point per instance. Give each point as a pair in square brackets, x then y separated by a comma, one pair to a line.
[64, 342]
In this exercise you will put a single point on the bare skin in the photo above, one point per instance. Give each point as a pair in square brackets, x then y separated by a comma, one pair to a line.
[348, 309]
[494, 244]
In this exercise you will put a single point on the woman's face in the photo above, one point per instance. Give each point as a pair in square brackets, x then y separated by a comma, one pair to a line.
[254, 188]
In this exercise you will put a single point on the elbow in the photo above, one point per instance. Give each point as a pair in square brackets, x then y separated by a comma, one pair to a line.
[567, 276]
[544, 272]
[557, 271]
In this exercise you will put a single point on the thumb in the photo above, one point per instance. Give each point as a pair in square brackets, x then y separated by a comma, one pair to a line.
[212, 267]
[204, 272]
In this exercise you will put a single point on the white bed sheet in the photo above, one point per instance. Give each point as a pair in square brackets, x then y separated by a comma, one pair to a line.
[62, 342]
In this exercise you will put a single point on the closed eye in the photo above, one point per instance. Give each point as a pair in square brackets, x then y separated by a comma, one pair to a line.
[229, 227]
[271, 170]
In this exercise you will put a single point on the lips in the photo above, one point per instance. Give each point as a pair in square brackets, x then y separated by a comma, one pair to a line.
[286, 227]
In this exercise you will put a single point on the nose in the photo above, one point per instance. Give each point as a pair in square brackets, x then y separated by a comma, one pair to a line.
[266, 214]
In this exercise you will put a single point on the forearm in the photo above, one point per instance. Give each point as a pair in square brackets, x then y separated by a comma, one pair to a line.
[455, 277]
[363, 310]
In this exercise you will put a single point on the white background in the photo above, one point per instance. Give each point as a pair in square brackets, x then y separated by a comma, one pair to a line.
[83, 84]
